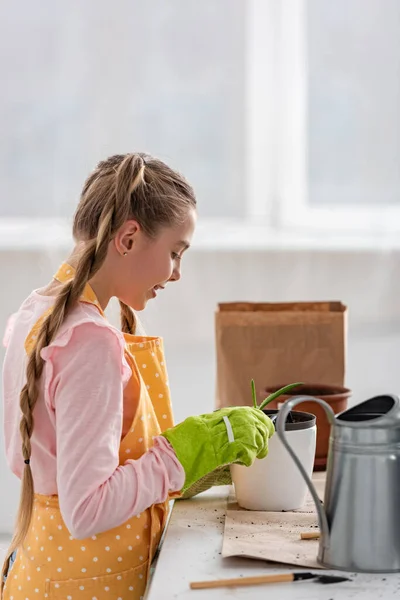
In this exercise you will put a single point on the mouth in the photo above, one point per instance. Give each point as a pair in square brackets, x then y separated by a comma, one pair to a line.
[155, 289]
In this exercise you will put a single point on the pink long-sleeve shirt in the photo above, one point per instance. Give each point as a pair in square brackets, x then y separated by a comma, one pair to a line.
[78, 422]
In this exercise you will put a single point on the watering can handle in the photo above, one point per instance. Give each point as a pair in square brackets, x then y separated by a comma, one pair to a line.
[280, 429]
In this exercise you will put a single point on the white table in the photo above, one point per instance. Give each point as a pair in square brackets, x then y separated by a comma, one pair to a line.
[191, 551]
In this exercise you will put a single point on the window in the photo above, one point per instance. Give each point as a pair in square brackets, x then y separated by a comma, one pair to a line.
[336, 137]
[285, 115]
[91, 79]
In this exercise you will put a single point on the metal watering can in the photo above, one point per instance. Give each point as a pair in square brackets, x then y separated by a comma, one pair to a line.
[360, 518]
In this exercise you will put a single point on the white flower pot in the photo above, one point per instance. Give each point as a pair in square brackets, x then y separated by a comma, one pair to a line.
[274, 483]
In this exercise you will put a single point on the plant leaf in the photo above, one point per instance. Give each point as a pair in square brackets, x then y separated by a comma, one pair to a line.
[281, 392]
[253, 392]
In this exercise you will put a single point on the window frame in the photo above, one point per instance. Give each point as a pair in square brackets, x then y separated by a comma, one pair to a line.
[287, 128]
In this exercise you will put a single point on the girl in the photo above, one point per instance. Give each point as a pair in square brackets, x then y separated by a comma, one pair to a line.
[85, 433]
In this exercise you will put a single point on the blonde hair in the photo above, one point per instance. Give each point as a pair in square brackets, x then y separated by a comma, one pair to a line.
[132, 186]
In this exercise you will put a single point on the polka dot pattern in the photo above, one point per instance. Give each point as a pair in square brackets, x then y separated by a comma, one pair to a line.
[113, 564]
[82, 570]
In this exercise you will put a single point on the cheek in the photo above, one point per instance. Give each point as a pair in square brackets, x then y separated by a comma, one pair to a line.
[157, 268]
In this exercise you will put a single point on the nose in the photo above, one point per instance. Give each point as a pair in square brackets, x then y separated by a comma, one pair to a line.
[176, 273]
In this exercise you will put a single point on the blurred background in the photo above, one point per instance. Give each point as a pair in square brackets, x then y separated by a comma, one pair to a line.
[283, 114]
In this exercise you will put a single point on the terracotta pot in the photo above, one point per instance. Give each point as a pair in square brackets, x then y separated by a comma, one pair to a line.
[336, 396]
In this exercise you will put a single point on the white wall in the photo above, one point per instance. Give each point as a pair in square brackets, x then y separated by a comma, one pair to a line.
[369, 282]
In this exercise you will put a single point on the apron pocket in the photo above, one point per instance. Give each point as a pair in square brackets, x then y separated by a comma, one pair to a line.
[127, 585]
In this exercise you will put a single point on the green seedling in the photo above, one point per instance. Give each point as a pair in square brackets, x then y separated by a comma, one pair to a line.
[285, 390]
[253, 392]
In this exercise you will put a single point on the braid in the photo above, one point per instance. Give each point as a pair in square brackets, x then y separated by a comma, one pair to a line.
[127, 183]
[90, 262]
[128, 319]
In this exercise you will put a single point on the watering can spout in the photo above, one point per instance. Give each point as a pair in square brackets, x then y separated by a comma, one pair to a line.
[287, 407]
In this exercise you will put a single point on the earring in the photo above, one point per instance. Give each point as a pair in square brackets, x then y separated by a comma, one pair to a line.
[125, 254]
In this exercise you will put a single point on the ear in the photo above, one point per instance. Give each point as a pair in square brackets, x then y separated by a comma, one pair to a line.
[126, 237]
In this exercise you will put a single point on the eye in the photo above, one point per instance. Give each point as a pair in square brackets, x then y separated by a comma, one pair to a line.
[175, 256]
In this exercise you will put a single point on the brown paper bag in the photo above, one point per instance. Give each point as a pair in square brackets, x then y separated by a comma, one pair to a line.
[277, 344]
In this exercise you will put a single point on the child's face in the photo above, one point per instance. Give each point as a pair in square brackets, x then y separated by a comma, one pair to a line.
[150, 263]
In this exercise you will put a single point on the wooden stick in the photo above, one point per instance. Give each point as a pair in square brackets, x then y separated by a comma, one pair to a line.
[310, 535]
[242, 581]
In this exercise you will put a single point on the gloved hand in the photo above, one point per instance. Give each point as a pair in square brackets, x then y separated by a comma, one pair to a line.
[229, 435]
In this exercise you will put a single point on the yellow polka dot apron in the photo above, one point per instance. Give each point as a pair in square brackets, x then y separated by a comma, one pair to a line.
[113, 565]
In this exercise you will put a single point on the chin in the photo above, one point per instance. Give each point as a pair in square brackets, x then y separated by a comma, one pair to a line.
[138, 302]
[139, 305]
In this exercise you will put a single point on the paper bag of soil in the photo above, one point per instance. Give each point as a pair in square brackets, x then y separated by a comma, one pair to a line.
[277, 344]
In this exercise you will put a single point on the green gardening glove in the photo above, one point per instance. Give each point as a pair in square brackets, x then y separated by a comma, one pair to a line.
[221, 476]
[209, 442]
